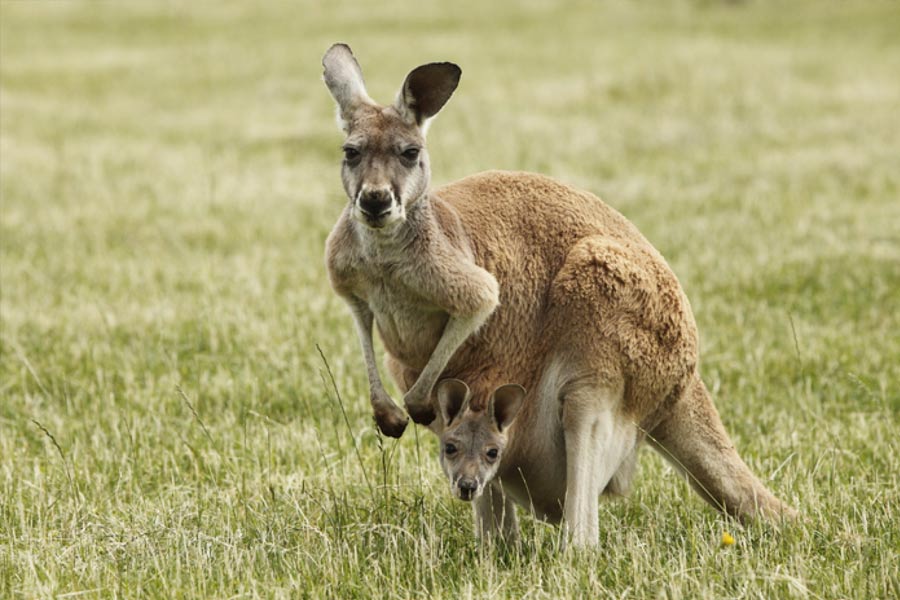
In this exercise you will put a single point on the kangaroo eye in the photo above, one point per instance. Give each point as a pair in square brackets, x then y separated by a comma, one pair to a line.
[492, 453]
[449, 449]
[411, 154]
[350, 153]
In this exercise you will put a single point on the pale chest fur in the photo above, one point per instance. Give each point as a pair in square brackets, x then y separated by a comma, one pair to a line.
[383, 279]
[408, 325]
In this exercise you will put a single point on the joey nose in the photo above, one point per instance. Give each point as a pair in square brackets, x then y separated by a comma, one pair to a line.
[375, 202]
[467, 488]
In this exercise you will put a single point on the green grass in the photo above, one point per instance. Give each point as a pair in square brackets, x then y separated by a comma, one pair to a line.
[170, 172]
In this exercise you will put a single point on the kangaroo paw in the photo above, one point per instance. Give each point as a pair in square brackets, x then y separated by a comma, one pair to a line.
[391, 422]
[423, 413]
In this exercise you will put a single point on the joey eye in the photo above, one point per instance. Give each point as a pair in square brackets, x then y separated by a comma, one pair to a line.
[492, 453]
[449, 449]
[350, 153]
[410, 154]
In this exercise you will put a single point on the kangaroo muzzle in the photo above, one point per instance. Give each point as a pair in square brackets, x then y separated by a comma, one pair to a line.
[375, 207]
[467, 488]
[375, 203]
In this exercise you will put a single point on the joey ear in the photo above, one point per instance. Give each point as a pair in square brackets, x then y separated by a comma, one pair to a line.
[452, 395]
[426, 90]
[344, 79]
[505, 404]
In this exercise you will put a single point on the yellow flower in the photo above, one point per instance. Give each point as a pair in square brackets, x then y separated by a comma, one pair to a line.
[727, 540]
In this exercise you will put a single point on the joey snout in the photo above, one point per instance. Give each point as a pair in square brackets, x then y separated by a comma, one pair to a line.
[467, 488]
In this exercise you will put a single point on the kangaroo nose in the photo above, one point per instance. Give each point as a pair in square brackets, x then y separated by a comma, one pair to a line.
[467, 488]
[375, 202]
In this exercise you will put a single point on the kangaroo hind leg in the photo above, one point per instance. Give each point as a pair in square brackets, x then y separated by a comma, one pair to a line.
[598, 442]
[620, 483]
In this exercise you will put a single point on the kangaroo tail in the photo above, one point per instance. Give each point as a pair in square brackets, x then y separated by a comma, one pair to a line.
[691, 436]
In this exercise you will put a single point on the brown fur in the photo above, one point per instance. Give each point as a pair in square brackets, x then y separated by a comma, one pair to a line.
[572, 302]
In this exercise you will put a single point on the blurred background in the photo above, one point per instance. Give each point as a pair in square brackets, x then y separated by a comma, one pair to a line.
[169, 172]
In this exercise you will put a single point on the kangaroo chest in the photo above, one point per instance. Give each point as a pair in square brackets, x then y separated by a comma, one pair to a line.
[408, 325]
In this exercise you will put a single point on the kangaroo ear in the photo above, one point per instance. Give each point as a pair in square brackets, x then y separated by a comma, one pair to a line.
[505, 404]
[345, 82]
[452, 395]
[426, 90]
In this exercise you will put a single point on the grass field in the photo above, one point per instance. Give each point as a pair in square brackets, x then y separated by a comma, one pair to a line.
[170, 172]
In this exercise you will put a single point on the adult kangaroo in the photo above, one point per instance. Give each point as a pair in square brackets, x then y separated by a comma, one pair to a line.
[516, 277]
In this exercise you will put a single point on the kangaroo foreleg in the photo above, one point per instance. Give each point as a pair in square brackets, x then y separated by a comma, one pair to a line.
[457, 330]
[469, 294]
[389, 417]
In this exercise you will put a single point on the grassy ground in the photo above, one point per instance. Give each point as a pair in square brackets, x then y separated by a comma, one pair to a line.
[169, 174]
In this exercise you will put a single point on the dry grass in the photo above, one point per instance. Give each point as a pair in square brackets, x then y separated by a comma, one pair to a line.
[169, 174]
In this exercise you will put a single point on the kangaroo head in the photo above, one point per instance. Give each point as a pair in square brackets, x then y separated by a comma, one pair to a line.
[385, 168]
[474, 435]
